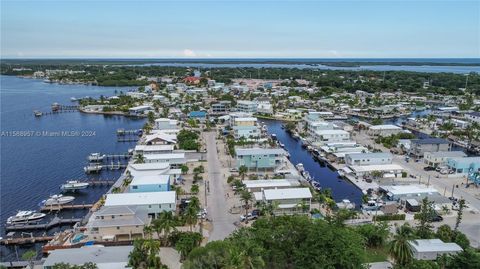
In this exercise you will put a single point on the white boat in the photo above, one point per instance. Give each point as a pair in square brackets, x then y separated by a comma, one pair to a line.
[37, 113]
[316, 185]
[371, 205]
[96, 157]
[58, 199]
[274, 136]
[73, 99]
[300, 167]
[282, 145]
[346, 204]
[25, 216]
[306, 175]
[341, 172]
[74, 185]
[93, 168]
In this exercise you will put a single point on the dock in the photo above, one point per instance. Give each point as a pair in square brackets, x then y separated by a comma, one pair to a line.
[127, 139]
[56, 221]
[50, 208]
[25, 240]
[122, 132]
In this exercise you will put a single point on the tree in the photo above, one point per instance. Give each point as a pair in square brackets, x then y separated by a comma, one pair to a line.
[468, 258]
[184, 169]
[139, 158]
[375, 235]
[145, 254]
[246, 197]
[151, 117]
[444, 233]
[461, 206]
[424, 226]
[164, 225]
[186, 242]
[242, 171]
[195, 189]
[399, 247]
[29, 256]
[88, 265]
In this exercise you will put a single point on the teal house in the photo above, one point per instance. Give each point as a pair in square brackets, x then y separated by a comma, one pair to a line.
[464, 165]
[150, 183]
[259, 158]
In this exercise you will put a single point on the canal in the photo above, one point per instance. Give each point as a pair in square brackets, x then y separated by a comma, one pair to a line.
[326, 177]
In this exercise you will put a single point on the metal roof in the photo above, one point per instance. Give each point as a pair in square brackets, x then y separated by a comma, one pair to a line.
[292, 193]
[429, 141]
[433, 245]
[141, 198]
[99, 255]
[259, 151]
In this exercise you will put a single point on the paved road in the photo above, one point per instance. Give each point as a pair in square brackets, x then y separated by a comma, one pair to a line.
[217, 206]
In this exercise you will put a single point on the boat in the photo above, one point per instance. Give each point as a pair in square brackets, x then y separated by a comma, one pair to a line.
[282, 145]
[74, 185]
[287, 155]
[371, 205]
[58, 199]
[274, 136]
[300, 167]
[346, 204]
[25, 216]
[96, 157]
[306, 175]
[73, 99]
[316, 185]
[295, 136]
[341, 173]
[93, 168]
[37, 113]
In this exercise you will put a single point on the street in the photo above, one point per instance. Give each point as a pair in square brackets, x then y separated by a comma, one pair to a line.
[217, 204]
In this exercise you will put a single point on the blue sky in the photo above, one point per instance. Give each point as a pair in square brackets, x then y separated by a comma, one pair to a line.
[240, 29]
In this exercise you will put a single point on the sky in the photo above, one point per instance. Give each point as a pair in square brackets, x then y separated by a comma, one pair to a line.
[240, 29]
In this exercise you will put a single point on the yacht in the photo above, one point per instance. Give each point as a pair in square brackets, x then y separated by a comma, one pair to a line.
[37, 113]
[73, 99]
[58, 199]
[300, 167]
[96, 157]
[346, 204]
[25, 216]
[93, 168]
[74, 185]
[274, 136]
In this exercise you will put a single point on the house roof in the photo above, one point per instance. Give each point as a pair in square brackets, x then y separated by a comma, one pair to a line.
[433, 245]
[384, 127]
[141, 198]
[408, 189]
[135, 217]
[270, 183]
[259, 151]
[370, 155]
[291, 193]
[150, 180]
[430, 141]
[103, 257]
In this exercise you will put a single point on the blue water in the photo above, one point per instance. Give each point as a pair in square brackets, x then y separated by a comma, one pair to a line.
[341, 189]
[313, 64]
[32, 168]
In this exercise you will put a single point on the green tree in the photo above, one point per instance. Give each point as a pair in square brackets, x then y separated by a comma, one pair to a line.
[424, 226]
[246, 197]
[399, 247]
[29, 256]
[164, 225]
[184, 169]
[461, 206]
[139, 158]
[242, 171]
[195, 189]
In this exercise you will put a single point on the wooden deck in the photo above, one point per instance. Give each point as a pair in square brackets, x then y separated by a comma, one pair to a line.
[65, 206]
[25, 240]
[41, 226]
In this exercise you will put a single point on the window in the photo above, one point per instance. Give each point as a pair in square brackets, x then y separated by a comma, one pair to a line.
[134, 187]
[118, 227]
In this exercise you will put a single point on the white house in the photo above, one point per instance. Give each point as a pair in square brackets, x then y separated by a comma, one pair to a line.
[153, 202]
[384, 130]
[102, 257]
[368, 158]
[440, 158]
[321, 137]
[138, 110]
[430, 249]
[473, 117]
[247, 106]
[175, 159]
[289, 201]
[165, 123]
[154, 149]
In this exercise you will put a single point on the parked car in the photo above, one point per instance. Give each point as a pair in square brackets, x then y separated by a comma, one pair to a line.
[437, 218]
[249, 216]
[233, 170]
[429, 168]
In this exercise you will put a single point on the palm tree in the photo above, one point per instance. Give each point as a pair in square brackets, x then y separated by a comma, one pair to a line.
[152, 248]
[303, 206]
[195, 189]
[148, 231]
[242, 171]
[191, 217]
[246, 197]
[29, 256]
[165, 224]
[139, 158]
[399, 247]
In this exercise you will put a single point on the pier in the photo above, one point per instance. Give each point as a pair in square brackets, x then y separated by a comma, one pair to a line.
[122, 132]
[98, 168]
[50, 208]
[127, 139]
[56, 221]
[25, 240]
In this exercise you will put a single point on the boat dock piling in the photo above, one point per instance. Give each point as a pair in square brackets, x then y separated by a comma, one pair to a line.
[56, 221]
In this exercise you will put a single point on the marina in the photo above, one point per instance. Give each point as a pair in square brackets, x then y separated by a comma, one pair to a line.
[56, 221]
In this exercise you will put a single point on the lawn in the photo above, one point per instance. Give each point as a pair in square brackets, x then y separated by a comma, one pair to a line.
[376, 254]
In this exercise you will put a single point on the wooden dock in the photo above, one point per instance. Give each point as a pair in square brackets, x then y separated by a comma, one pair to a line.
[50, 208]
[127, 139]
[25, 240]
[122, 132]
[43, 226]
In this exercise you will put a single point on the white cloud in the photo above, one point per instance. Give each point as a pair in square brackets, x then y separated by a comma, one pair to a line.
[189, 53]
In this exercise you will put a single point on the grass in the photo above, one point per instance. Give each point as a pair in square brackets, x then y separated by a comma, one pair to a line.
[376, 254]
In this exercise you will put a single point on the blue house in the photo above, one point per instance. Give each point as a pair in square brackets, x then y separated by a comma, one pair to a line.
[464, 165]
[150, 183]
[198, 115]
